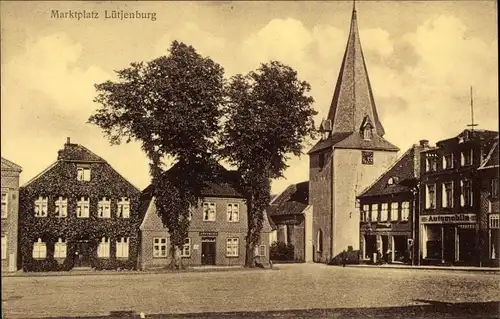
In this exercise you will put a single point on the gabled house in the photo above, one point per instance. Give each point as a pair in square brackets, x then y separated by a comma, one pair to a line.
[217, 231]
[450, 199]
[388, 209]
[291, 213]
[79, 212]
[488, 173]
[10, 214]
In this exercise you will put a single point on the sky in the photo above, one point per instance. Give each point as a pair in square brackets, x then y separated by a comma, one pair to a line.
[422, 57]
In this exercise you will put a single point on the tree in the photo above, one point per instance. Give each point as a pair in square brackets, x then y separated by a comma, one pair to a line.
[172, 105]
[269, 117]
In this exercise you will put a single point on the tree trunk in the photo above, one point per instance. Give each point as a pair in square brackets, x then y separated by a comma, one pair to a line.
[249, 254]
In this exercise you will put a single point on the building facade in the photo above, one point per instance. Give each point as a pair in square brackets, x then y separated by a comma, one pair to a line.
[79, 212]
[291, 213]
[351, 154]
[450, 199]
[217, 231]
[387, 211]
[488, 174]
[10, 214]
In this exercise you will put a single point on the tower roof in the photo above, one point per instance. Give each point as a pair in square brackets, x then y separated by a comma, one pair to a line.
[353, 98]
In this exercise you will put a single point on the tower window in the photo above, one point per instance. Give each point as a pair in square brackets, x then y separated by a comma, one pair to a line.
[367, 133]
[367, 157]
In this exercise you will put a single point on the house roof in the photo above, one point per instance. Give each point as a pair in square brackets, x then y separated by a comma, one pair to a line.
[292, 201]
[486, 135]
[405, 168]
[354, 141]
[77, 153]
[10, 166]
[491, 160]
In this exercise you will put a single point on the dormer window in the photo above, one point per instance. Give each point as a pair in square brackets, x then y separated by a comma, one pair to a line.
[392, 181]
[367, 132]
[83, 173]
[324, 135]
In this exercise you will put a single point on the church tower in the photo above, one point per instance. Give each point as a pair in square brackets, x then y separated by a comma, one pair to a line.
[350, 156]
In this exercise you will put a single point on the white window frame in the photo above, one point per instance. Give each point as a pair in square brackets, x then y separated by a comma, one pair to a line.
[428, 199]
[5, 203]
[83, 174]
[104, 208]
[232, 247]
[124, 208]
[444, 198]
[260, 250]
[4, 246]
[384, 210]
[61, 206]
[463, 192]
[122, 247]
[41, 206]
[158, 243]
[233, 212]
[494, 221]
[445, 166]
[405, 211]
[83, 208]
[393, 207]
[462, 158]
[60, 248]
[209, 211]
[186, 248]
[103, 248]
[365, 210]
[39, 249]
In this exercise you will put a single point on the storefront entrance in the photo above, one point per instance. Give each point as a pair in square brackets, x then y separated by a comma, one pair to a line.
[208, 250]
[448, 244]
[400, 248]
[466, 245]
[370, 246]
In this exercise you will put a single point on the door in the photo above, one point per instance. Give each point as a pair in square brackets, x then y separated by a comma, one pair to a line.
[82, 254]
[467, 244]
[208, 249]
[448, 243]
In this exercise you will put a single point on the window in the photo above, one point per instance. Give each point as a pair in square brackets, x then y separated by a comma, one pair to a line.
[233, 212]
[392, 180]
[384, 212]
[365, 210]
[104, 208]
[60, 249]
[61, 207]
[124, 208]
[82, 207]
[367, 133]
[405, 210]
[209, 211]
[495, 221]
[447, 191]
[373, 213]
[186, 248]
[260, 250]
[5, 203]
[430, 162]
[466, 193]
[41, 205]
[448, 161]
[394, 211]
[366, 158]
[39, 249]
[160, 247]
[430, 196]
[494, 188]
[122, 247]
[103, 248]
[83, 174]
[466, 158]
[319, 241]
[232, 247]
[4, 247]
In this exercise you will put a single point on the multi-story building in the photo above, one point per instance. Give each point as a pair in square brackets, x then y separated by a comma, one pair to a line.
[450, 198]
[79, 212]
[351, 154]
[488, 174]
[10, 214]
[291, 213]
[387, 209]
[217, 231]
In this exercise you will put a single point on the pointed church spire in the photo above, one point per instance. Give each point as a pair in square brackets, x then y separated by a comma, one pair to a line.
[353, 98]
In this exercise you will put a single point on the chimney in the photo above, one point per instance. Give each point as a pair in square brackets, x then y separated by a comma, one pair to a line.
[68, 140]
[424, 143]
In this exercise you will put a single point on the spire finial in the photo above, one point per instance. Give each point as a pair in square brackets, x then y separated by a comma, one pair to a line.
[472, 125]
[353, 5]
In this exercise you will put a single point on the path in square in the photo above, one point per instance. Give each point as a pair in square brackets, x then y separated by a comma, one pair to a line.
[299, 286]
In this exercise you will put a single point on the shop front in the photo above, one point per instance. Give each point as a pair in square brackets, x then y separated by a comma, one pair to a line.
[449, 239]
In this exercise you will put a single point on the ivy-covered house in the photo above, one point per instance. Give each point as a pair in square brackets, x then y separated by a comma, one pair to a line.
[79, 212]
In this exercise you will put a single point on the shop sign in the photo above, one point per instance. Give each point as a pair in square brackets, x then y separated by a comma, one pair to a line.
[208, 234]
[448, 219]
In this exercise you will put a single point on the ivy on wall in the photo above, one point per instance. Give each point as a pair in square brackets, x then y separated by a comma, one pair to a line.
[61, 181]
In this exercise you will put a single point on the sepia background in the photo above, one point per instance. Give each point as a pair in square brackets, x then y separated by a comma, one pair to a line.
[422, 57]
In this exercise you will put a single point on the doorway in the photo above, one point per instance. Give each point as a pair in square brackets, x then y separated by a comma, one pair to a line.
[208, 250]
[82, 253]
[466, 244]
[448, 243]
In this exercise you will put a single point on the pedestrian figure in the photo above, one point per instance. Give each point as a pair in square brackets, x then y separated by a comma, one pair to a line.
[344, 258]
